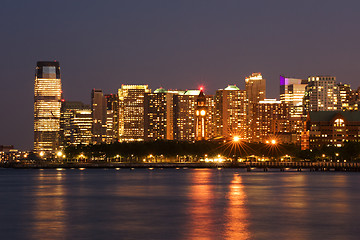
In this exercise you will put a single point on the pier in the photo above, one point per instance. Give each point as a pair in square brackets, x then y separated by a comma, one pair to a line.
[249, 166]
[300, 166]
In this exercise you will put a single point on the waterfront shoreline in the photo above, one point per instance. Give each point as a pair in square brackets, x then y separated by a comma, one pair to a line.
[265, 166]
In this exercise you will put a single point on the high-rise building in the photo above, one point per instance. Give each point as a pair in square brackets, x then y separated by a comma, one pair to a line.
[292, 91]
[230, 117]
[344, 96]
[321, 94]
[354, 103]
[159, 115]
[47, 105]
[184, 115]
[131, 112]
[210, 116]
[81, 127]
[255, 87]
[112, 123]
[99, 116]
[71, 125]
[271, 119]
[110, 133]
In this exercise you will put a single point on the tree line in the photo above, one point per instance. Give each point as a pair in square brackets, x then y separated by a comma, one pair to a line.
[229, 149]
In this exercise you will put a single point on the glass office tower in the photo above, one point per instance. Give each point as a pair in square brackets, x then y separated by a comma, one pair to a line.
[47, 105]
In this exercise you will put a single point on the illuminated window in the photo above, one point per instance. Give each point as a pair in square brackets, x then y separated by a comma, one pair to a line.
[339, 123]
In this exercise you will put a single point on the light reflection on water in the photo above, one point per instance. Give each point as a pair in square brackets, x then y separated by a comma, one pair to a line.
[294, 200]
[200, 210]
[49, 212]
[236, 215]
[178, 204]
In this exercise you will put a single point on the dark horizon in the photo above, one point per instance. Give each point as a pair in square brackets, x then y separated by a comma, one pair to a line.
[174, 45]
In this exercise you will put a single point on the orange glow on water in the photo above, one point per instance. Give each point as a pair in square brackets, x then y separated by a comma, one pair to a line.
[237, 224]
[201, 224]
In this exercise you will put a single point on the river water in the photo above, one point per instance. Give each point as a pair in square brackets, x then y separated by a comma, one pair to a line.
[178, 204]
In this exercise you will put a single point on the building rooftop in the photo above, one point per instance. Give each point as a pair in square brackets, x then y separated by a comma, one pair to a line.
[160, 90]
[232, 87]
[125, 86]
[47, 64]
[254, 76]
[289, 81]
[269, 101]
[192, 92]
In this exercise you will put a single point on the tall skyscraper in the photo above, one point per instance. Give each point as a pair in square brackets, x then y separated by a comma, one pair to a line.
[184, 113]
[131, 112]
[230, 117]
[159, 115]
[99, 116]
[47, 105]
[255, 87]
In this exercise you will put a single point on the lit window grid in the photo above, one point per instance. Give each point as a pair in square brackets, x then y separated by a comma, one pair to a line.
[131, 111]
[47, 87]
[47, 96]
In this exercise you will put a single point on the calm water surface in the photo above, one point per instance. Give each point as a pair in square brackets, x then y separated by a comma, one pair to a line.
[178, 204]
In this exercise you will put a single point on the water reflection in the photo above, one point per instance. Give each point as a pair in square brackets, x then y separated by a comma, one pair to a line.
[294, 199]
[341, 194]
[201, 223]
[49, 214]
[191, 204]
[236, 215]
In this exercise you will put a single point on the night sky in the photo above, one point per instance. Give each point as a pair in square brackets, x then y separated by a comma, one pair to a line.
[169, 44]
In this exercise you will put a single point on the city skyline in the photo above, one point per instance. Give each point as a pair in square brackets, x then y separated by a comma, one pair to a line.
[138, 114]
[189, 119]
[255, 76]
[170, 45]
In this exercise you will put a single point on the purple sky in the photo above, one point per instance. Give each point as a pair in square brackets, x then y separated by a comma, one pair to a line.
[172, 44]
